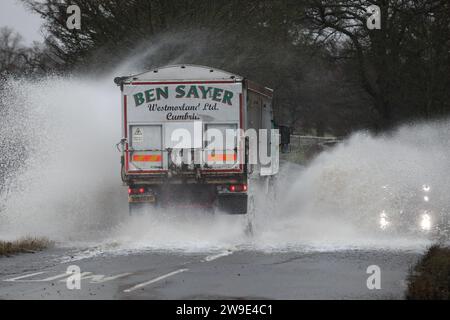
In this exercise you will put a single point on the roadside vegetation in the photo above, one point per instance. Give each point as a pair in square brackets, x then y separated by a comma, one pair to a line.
[430, 277]
[24, 245]
[331, 74]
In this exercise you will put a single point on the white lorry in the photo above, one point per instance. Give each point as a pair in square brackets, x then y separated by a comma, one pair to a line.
[173, 120]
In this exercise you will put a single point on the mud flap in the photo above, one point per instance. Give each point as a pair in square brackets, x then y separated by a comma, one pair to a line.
[139, 208]
[233, 203]
[185, 196]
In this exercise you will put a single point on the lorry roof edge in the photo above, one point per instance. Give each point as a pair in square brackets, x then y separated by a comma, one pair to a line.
[184, 72]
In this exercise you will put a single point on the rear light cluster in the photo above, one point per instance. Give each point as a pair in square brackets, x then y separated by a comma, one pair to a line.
[237, 188]
[136, 190]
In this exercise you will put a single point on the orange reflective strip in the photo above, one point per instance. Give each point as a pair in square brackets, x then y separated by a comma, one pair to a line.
[147, 158]
[222, 157]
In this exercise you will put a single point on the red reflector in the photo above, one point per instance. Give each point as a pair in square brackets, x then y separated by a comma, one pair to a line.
[237, 188]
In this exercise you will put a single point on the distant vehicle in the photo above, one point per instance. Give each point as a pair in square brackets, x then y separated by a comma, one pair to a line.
[172, 117]
[414, 211]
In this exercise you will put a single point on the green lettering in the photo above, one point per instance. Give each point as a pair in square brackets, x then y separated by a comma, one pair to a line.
[138, 99]
[180, 91]
[228, 95]
[192, 91]
[149, 97]
[162, 92]
[205, 92]
[217, 94]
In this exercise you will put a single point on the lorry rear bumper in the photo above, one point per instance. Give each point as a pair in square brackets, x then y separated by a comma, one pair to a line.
[192, 196]
[148, 198]
[159, 179]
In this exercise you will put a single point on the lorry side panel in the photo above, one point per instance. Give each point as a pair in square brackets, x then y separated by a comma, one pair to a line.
[260, 116]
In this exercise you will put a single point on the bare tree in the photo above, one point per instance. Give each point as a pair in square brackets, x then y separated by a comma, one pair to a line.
[329, 71]
[11, 51]
[383, 60]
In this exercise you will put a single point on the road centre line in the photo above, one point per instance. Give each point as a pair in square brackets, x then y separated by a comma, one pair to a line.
[24, 276]
[141, 285]
[217, 256]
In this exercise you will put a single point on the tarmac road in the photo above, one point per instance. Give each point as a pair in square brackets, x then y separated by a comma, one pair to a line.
[226, 274]
[237, 273]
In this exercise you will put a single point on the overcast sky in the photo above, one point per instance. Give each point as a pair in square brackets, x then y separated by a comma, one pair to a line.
[13, 14]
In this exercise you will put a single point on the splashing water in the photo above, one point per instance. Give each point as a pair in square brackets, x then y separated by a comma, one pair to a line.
[60, 178]
[66, 182]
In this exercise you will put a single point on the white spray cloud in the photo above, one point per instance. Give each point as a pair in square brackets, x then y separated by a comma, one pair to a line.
[68, 174]
[59, 135]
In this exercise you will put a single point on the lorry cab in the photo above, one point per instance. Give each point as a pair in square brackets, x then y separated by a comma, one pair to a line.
[194, 134]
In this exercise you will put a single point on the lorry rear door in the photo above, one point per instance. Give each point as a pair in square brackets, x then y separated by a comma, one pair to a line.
[157, 113]
[221, 145]
[146, 147]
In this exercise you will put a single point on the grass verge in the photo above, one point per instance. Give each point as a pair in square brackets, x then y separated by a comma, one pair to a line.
[23, 245]
[429, 279]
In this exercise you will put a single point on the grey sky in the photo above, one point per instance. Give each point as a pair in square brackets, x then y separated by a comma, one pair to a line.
[13, 14]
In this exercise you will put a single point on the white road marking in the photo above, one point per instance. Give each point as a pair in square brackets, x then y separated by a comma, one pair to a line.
[94, 278]
[217, 256]
[99, 278]
[141, 285]
[83, 275]
[59, 276]
[24, 276]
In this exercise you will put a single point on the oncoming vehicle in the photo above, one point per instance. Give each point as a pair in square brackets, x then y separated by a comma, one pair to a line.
[415, 211]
